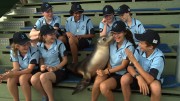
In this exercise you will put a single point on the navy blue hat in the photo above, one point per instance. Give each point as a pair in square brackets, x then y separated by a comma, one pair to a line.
[20, 38]
[45, 7]
[47, 29]
[123, 9]
[150, 36]
[108, 9]
[118, 26]
[76, 7]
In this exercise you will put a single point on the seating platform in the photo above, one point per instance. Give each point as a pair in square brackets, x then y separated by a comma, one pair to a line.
[25, 11]
[172, 9]
[149, 26]
[26, 28]
[164, 48]
[169, 81]
[145, 9]
[175, 25]
[88, 11]
[13, 24]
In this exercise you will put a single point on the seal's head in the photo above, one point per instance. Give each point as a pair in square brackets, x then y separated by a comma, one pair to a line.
[105, 40]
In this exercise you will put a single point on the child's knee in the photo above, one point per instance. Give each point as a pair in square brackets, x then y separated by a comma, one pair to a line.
[155, 87]
[103, 88]
[23, 80]
[126, 79]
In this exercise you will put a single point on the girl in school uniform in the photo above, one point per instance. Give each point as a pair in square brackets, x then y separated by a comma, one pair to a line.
[53, 58]
[147, 64]
[47, 19]
[105, 25]
[134, 25]
[25, 61]
[109, 79]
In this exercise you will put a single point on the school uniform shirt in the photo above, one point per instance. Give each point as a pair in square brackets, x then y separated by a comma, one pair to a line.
[42, 21]
[118, 55]
[81, 27]
[109, 27]
[136, 28]
[32, 57]
[154, 64]
[52, 56]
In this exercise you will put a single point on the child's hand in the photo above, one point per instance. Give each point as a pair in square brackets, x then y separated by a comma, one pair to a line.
[100, 72]
[69, 34]
[43, 67]
[104, 21]
[52, 69]
[9, 74]
[2, 77]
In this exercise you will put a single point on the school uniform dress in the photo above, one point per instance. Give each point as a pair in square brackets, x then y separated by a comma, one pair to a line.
[136, 28]
[81, 27]
[117, 56]
[109, 27]
[154, 64]
[32, 57]
[53, 57]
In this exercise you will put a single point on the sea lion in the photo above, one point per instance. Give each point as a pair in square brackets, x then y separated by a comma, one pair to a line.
[96, 60]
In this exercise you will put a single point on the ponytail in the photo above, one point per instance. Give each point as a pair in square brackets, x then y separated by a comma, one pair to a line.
[129, 37]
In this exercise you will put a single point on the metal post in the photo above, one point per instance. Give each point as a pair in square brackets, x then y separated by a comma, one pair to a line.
[178, 60]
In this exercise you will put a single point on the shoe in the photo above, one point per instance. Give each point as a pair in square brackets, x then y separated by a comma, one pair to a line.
[44, 98]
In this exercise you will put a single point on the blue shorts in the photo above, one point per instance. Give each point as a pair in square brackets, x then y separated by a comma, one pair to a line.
[83, 43]
[60, 75]
[34, 71]
[117, 77]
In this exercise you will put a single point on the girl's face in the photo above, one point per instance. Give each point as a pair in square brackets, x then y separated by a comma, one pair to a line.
[49, 38]
[109, 18]
[23, 48]
[77, 15]
[48, 15]
[144, 47]
[119, 36]
[124, 17]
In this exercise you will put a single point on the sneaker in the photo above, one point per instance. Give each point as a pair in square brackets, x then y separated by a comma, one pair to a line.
[44, 98]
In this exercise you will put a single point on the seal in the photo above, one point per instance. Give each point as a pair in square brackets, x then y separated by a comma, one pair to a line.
[98, 59]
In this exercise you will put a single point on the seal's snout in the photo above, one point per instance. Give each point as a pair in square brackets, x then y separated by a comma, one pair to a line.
[110, 34]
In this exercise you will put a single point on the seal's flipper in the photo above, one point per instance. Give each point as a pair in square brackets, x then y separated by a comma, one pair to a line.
[81, 86]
